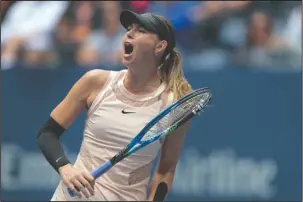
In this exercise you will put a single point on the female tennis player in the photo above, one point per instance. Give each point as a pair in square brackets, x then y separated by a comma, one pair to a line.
[119, 104]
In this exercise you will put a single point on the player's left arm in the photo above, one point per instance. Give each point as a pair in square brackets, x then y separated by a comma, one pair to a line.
[169, 158]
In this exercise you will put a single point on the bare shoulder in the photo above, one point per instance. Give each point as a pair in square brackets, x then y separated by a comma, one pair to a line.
[95, 78]
[90, 82]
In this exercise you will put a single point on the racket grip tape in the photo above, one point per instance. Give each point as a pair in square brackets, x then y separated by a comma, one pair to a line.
[102, 169]
[96, 173]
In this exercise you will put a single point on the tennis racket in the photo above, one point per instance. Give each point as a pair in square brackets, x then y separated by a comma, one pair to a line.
[167, 121]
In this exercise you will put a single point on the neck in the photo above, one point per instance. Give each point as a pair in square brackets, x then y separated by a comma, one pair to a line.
[143, 79]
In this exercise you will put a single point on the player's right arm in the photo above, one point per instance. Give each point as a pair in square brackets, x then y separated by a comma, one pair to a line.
[81, 94]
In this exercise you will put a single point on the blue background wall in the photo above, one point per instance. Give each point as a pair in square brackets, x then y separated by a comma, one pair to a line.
[247, 146]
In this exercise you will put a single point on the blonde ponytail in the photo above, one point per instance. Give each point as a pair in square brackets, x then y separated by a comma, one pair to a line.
[171, 70]
[172, 73]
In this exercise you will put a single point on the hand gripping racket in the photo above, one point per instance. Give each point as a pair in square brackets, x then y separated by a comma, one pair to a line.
[167, 121]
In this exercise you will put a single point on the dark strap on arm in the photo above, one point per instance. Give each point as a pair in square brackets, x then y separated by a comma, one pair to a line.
[161, 192]
[49, 143]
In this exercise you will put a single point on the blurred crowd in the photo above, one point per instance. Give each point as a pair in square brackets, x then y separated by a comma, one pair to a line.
[210, 34]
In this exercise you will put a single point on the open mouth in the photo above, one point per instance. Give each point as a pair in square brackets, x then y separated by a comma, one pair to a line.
[128, 47]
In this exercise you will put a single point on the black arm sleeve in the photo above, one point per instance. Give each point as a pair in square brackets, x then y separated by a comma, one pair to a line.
[49, 143]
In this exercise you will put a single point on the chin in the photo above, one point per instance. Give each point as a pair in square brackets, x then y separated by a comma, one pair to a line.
[128, 61]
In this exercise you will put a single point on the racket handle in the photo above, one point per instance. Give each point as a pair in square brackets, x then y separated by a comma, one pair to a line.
[102, 169]
[96, 174]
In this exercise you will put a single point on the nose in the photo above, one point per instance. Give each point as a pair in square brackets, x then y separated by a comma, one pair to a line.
[130, 34]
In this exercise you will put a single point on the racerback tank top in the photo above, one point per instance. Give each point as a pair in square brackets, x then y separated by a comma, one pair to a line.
[108, 130]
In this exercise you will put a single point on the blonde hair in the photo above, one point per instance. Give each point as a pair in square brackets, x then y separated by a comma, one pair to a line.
[172, 74]
[172, 71]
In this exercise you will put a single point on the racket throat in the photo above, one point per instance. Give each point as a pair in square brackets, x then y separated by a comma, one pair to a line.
[118, 157]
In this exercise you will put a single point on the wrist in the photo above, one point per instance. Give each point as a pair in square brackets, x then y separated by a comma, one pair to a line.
[61, 168]
[61, 162]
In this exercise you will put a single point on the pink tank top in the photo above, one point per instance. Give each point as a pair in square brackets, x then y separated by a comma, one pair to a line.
[108, 130]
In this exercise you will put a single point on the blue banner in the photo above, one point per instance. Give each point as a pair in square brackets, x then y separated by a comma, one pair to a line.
[246, 146]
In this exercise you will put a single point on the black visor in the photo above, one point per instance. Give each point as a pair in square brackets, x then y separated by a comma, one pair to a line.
[151, 23]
